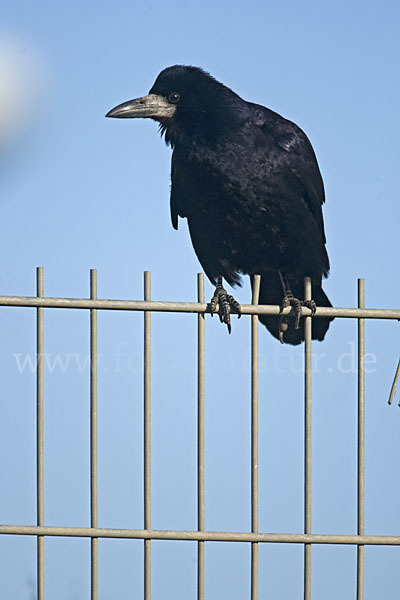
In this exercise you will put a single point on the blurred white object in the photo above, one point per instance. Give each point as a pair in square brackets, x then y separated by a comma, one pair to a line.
[21, 84]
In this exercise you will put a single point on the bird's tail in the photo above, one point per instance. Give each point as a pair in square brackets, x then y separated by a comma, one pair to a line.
[271, 292]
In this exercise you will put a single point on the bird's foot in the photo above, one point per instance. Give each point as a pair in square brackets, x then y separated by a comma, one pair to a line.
[225, 302]
[296, 304]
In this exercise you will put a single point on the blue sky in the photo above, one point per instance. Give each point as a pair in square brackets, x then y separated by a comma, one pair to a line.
[79, 191]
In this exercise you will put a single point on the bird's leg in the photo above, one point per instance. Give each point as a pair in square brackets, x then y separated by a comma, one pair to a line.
[225, 302]
[289, 300]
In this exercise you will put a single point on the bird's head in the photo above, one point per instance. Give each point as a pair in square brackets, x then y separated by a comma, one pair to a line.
[187, 102]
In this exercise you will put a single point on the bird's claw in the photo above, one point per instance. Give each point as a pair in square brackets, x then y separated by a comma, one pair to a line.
[225, 302]
[296, 304]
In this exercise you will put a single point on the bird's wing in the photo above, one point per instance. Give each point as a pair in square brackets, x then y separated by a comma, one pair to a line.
[302, 161]
[177, 195]
[296, 155]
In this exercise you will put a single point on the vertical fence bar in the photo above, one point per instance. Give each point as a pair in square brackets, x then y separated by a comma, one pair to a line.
[307, 442]
[200, 438]
[147, 436]
[254, 439]
[93, 435]
[40, 433]
[361, 441]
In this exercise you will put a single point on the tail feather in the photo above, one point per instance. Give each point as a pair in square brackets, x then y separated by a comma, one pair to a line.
[271, 292]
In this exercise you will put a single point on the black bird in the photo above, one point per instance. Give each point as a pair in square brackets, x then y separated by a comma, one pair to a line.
[248, 182]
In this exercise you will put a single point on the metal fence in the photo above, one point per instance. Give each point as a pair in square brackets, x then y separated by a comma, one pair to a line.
[147, 534]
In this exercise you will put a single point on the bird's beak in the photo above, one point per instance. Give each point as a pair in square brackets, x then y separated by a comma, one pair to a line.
[152, 106]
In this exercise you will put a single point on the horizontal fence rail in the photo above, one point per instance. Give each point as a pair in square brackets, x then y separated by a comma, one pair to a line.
[193, 307]
[202, 535]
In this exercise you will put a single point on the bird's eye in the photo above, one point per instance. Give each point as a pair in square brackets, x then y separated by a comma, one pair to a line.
[174, 97]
